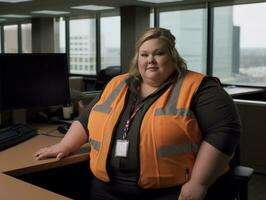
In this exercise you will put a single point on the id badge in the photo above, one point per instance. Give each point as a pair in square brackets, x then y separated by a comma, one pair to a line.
[121, 148]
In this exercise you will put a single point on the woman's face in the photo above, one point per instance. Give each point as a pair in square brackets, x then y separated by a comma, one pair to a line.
[154, 62]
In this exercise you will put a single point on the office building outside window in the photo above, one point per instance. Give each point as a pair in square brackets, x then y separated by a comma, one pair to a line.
[190, 29]
[110, 41]
[26, 38]
[239, 53]
[82, 41]
[11, 38]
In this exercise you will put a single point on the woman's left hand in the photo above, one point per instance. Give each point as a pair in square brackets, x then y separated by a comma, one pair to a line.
[193, 191]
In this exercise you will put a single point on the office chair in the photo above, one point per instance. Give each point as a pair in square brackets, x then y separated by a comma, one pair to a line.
[241, 177]
[234, 184]
[105, 75]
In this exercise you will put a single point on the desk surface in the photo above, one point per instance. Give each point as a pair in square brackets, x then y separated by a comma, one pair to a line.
[233, 91]
[19, 160]
[14, 189]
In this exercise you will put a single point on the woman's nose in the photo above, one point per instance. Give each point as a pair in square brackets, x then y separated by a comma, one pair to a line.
[151, 59]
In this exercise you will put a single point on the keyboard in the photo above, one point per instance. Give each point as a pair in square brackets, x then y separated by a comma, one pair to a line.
[15, 134]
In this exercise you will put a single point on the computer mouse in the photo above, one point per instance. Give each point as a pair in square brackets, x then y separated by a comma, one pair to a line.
[63, 128]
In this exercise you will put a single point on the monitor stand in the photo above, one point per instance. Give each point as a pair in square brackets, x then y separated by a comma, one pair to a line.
[19, 116]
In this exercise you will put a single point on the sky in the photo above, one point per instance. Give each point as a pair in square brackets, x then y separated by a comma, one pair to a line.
[251, 19]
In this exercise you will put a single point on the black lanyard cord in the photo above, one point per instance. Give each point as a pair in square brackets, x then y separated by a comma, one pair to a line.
[134, 109]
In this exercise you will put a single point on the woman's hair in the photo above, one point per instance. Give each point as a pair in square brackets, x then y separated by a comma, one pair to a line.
[169, 40]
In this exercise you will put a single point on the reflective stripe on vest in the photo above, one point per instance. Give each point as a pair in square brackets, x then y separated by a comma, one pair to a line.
[95, 144]
[170, 108]
[162, 151]
[177, 149]
[106, 106]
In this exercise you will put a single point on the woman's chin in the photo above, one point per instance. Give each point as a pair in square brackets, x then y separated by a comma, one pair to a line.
[153, 80]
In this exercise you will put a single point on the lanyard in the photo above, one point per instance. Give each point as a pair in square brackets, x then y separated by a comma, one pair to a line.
[133, 113]
[121, 148]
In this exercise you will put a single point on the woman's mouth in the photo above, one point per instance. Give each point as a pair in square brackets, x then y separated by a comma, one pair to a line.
[152, 68]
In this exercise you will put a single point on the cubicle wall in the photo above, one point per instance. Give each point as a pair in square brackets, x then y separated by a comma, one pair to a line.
[253, 136]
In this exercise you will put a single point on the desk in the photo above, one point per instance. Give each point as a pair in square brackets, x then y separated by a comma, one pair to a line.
[236, 91]
[19, 160]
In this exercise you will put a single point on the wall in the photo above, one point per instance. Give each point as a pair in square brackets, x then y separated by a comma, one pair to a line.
[253, 135]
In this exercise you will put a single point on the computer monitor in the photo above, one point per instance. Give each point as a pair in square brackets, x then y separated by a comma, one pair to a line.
[33, 80]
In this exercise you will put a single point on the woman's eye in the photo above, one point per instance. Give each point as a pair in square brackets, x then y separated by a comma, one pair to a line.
[160, 53]
[143, 55]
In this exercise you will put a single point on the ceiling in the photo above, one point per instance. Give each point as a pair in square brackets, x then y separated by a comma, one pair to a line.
[26, 8]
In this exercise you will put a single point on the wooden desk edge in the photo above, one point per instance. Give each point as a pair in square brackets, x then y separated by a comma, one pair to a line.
[27, 191]
[12, 188]
[48, 165]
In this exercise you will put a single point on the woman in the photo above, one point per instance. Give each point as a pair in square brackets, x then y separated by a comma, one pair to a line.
[158, 132]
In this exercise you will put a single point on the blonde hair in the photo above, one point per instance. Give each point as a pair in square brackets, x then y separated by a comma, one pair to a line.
[169, 40]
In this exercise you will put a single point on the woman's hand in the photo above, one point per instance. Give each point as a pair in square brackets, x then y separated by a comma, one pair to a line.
[193, 191]
[57, 151]
[209, 165]
[73, 139]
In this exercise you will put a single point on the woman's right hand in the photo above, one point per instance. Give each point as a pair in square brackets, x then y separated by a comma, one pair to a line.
[73, 139]
[57, 151]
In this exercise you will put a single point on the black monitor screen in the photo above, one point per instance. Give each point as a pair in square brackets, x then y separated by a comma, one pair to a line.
[33, 80]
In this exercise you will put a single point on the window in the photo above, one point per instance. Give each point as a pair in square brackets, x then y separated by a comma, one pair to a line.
[62, 35]
[152, 18]
[82, 31]
[239, 48]
[26, 38]
[190, 29]
[11, 38]
[110, 41]
[0, 42]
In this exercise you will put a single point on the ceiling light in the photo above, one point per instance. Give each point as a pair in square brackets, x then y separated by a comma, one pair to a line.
[160, 1]
[92, 7]
[15, 16]
[50, 12]
[14, 1]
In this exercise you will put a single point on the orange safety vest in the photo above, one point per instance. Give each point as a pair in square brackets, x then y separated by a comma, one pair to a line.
[169, 135]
